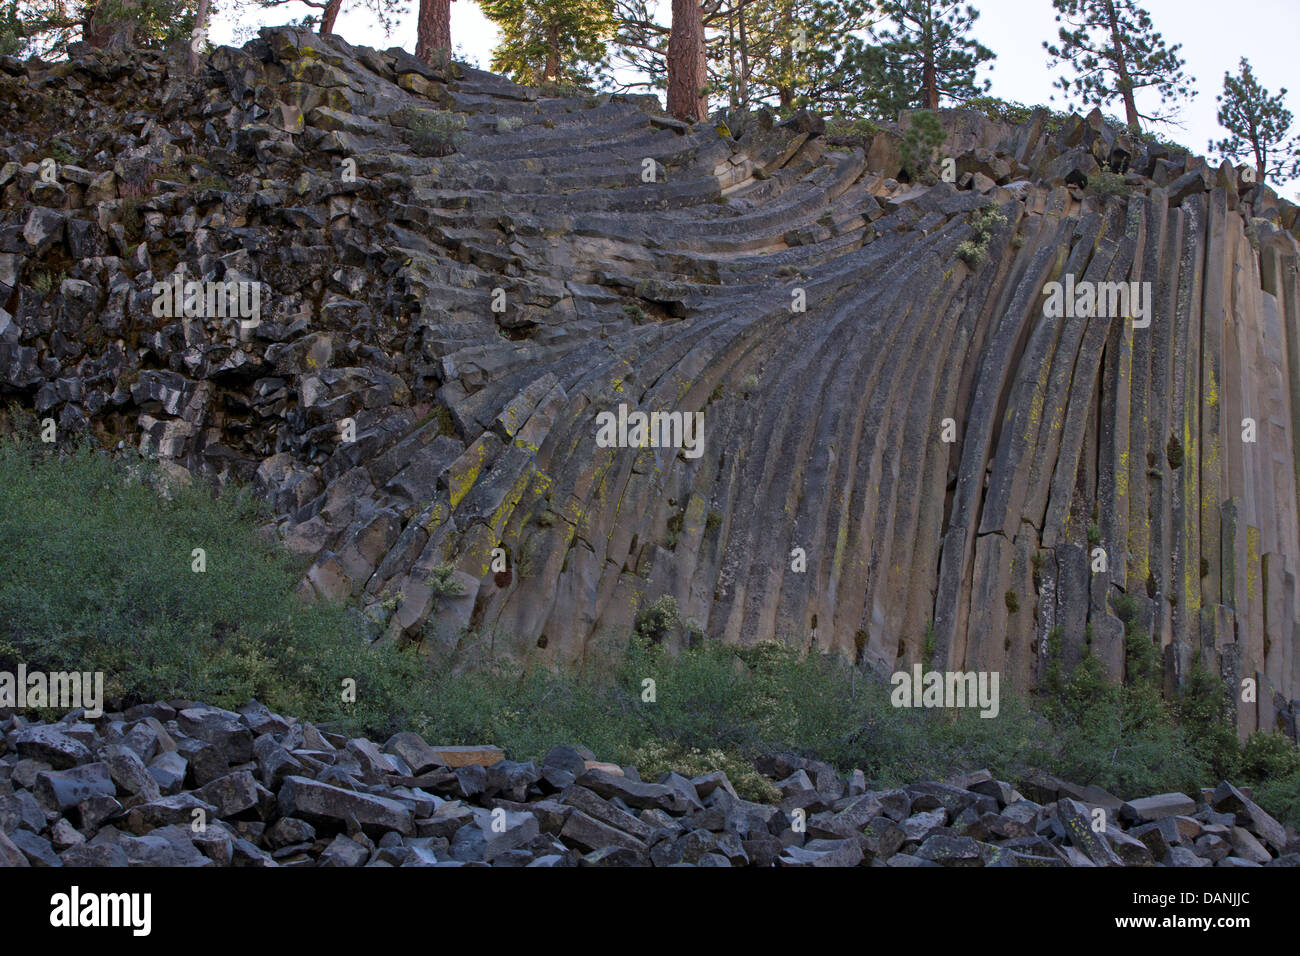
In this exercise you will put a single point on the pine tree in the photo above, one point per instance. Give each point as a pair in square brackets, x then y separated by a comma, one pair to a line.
[787, 54]
[926, 54]
[12, 39]
[640, 47]
[1258, 124]
[791, 54]
[1114, 48]
[47, 27]
[555, 41]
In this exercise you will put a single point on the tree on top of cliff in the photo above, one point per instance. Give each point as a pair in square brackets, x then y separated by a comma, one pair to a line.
[926, 53]
[46, 28]
[555, 41]
[793, 54]
[1116, 51]
[1257, 123]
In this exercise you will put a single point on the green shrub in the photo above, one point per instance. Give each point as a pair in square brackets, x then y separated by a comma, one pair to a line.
[98, 577]
[1105, 183]
[430, 132]
[971, 253]
[850, 127]
[1174, 452]
[1204, 711]
[1002, 111]
[921, 143]
[655, 621]
[442, 583]
[984, 222]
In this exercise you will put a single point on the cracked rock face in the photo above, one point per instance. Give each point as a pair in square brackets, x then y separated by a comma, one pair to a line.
[409, 295]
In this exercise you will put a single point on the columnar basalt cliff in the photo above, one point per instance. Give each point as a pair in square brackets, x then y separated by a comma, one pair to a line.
[905, 450]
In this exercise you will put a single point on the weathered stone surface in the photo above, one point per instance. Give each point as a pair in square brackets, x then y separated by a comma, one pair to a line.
[221, 728]
[306, 798]
[469, 756]
[1227, 798]
[9, 853]
[167, 811]
[63, 789]
[1079, 821]
[415, 752]
[50, 745]
[1157, 807]
[231, 794]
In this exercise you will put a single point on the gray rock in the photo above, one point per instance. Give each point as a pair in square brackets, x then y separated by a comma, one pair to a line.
[64, 789]
[223, 729]
[1154, 808]
[315, 802]
[414, 752]
[183, 809]
[168, 771]
[344, 852]
[166, 846]
[130, 773]
[231, 794]
[817, 853]
[50, 745]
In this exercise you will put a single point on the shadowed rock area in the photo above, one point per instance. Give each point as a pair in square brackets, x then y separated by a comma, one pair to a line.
[456, 275]
[186, 784]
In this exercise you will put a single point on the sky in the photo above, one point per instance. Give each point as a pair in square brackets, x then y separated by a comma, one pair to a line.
[1212, 36]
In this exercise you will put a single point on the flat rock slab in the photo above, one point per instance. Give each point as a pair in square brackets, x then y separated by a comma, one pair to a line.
[1161, 805]
[464, 756]
[313, 801]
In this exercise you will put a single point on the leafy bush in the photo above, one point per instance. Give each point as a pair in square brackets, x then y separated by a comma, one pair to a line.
[842, 127]
[983, 222]
[656, 621]
[921, 143]
[430, 132]
[98, 576]
[971, 253]
[1106, 183]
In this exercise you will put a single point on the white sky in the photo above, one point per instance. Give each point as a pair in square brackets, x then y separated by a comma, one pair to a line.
[1213, 38]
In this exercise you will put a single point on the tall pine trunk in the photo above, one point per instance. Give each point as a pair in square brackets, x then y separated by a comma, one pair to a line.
[744, 60]
[553, 53]
[929, 85]
[785, 89]
[733, 79]
[433, 33]
[1120, 61]
[687, 67]
[330, 15]
[929, 77]
[201, 29]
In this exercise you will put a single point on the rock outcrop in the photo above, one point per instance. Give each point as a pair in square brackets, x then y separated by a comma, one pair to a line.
[185, 784]
[455, 276]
